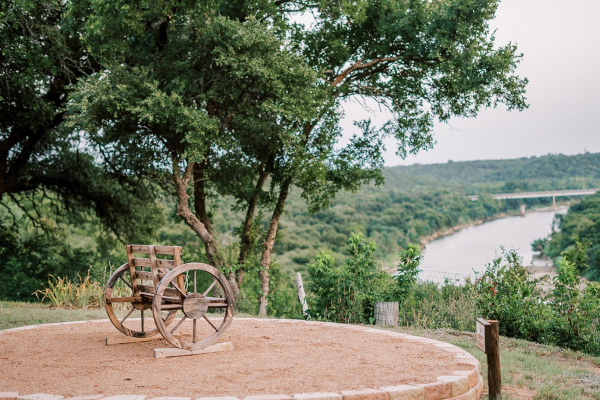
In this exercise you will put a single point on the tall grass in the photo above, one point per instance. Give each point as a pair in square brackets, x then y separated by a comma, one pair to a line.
[431, 307]
[82, 293]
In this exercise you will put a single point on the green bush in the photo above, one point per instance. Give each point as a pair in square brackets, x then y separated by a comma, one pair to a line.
[27, 262]
[567, 316]
[506, 293]
[348, 293]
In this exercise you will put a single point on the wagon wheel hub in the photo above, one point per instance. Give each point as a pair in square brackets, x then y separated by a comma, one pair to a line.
[195, 306]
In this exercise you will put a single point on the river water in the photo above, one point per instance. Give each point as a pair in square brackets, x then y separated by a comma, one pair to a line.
[472, 248]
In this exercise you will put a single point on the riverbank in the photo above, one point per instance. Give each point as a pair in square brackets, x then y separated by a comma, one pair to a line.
[449, 231]
[470, 248]
[424, 240]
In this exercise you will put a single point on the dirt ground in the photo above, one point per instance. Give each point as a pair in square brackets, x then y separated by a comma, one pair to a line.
[269, 357]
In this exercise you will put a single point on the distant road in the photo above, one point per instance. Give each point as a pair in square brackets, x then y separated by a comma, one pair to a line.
[548, 193]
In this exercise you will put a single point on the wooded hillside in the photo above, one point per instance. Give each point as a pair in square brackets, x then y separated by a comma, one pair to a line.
[415, 201]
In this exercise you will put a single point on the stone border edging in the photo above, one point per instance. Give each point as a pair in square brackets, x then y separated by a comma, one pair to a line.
[461, 385]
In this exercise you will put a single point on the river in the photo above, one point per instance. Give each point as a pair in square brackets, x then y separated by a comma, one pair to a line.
[472, 248]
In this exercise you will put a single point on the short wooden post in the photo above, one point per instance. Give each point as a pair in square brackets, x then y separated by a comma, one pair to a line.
[492, 344]
[488, 341]
[301, 295]
[386, 314]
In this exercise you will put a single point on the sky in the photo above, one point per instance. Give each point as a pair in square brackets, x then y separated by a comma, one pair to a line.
[560, 41]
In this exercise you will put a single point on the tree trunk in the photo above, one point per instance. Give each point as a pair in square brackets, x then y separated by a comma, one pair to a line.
[200, 208]
[190, 218]
[245, 239]
[265, 261]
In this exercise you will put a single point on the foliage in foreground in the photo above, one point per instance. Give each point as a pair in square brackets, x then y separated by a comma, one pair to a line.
[567, 315]
[347, 293]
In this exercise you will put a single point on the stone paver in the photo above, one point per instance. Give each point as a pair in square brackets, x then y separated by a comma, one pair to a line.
[268, 397]
[365, 394]
[405, 392]
[438, 391]
[40, 396]
[207, 398]
[460, 384]
[125, 397]
[318, 396]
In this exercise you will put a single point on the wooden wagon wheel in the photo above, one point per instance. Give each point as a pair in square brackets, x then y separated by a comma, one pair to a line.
[205, 289]
[119, 290]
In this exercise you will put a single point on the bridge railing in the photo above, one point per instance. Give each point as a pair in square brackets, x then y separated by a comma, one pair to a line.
[440, 278]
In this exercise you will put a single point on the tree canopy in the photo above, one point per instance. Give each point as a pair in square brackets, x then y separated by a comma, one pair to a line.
[40, 56]
[244, 99]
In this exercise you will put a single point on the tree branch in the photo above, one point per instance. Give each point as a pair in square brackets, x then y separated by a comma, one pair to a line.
[360, 65]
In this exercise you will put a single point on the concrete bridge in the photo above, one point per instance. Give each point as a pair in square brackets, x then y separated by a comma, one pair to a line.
[549, 193]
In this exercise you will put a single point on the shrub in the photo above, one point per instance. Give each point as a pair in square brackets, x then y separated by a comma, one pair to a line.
[347, 293]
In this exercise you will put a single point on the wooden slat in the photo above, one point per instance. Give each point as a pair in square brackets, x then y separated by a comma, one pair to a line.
[147, 275]
[124, 299]
[139, 248]
[140, 262]
[170, 264]
[175, 352]
[217, 305]
[153, 266]
[130, 249]
[169, 250]
[129, 339]
[169, 292]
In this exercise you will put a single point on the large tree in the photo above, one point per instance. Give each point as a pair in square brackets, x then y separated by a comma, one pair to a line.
[40, 56]
[242, 99]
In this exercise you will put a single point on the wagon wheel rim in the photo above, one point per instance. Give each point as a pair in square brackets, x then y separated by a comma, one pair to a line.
[133, 308]
[194, 303]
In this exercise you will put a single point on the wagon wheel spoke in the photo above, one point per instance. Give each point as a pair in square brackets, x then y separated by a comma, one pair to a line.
[194, 331]
[127, 316]
[194, 292]
[176, 286]
[124, 281]
[178, 324]
[212, 285]
[167, 307]
[211, 324]
[171, 313]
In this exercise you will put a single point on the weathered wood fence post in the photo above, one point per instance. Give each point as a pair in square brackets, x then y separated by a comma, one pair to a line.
[386, 314]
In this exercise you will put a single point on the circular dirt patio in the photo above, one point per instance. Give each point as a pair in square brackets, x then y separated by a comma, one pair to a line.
[291, 358]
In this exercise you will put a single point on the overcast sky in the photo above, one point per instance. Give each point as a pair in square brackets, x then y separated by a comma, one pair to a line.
[560, 41]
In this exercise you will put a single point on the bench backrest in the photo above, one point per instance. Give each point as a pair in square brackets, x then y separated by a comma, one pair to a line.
[147, 270]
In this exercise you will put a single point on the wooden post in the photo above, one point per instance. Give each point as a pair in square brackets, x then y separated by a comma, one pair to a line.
[386, 314]
[492, 346]
[301, 295]
[488, 341]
